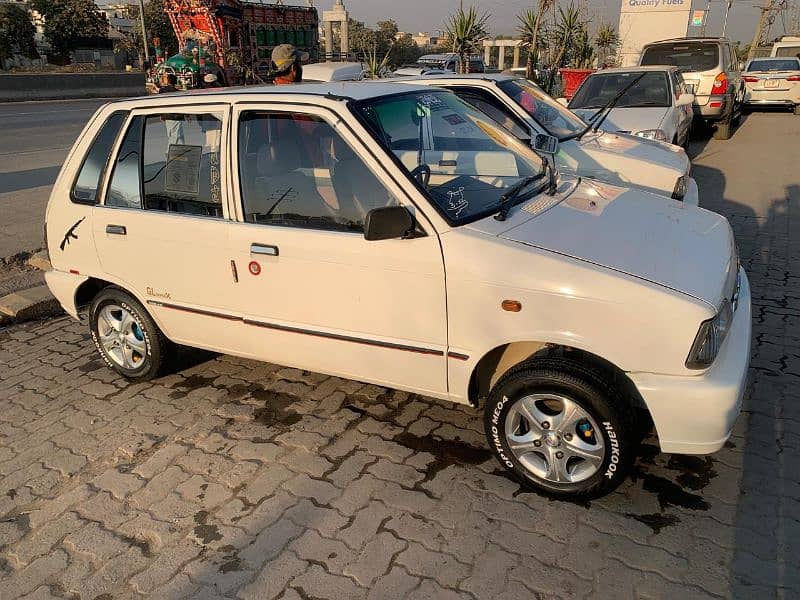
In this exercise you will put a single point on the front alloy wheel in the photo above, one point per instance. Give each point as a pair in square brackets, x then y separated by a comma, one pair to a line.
[554, 438]
[561, 428]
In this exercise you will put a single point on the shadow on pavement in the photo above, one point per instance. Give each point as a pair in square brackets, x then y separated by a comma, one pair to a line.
[31, 178]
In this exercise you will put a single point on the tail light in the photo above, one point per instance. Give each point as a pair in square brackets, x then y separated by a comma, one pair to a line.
[720, 84]
[793, 78]
[750, 79]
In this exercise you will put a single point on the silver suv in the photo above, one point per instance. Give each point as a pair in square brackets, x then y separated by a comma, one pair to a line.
[710, 69]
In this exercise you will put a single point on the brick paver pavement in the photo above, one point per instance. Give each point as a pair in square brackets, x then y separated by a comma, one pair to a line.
[238, 479]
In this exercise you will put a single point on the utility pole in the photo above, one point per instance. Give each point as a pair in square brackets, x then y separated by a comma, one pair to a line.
[144, 32]
[705, 19]
[725, 22]
[766, 11]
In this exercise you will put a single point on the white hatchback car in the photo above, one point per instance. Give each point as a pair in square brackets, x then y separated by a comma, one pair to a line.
[398, 236]
[526, 110]
[656, 107]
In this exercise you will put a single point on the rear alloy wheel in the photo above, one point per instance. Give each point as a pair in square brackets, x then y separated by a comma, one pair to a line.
[561, 429]
[126, 336]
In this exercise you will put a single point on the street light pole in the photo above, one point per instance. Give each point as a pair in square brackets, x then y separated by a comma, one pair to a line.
[144, 32]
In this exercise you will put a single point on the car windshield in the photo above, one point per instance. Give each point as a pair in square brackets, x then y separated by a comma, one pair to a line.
[688, 56]
[556, 119]
[468, 160]
[599, 89]
[775, 64]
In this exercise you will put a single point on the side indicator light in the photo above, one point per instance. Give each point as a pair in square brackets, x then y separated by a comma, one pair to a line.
[74, 272]
[511, 305]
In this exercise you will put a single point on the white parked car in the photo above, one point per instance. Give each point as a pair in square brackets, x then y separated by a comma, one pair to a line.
[333, 71]
[656, 107]
[772, 82]
[527, 111]
[398, 236]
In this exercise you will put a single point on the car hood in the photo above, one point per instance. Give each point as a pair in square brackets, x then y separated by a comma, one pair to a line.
[644, 235]
[629, 120]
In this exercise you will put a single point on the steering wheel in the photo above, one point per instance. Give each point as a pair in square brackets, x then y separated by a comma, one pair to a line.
[422, 173]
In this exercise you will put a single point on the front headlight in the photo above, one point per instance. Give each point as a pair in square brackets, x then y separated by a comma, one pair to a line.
[652, 134]
[681, 187]
[710, 338]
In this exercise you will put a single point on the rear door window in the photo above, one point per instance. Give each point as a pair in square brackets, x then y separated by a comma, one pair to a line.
[688, 56]
[84, 190]
[170, 162]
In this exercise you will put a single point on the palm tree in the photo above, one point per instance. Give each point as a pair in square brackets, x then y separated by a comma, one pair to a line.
[466, 30]
[565, 34]
[606, 39]
[583, 54]
[530, 24]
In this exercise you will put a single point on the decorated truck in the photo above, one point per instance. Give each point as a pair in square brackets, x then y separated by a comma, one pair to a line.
[233, 39]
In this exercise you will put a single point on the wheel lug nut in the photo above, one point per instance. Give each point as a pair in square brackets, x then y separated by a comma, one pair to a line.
[559, 454]
[568, 436]
[545, 424]
[537, 443]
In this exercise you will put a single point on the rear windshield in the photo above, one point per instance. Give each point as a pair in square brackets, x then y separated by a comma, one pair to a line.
[775, 64]
[598, 90]
[787, 51]
[688, 56]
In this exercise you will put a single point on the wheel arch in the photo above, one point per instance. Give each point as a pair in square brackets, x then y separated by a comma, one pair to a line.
[503, 358]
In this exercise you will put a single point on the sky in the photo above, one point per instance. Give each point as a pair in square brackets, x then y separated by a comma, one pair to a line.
[430, 15]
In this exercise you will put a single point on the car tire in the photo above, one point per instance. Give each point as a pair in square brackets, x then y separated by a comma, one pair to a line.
[127, 338]
[797, 109]
[724, 128]
[586, 447]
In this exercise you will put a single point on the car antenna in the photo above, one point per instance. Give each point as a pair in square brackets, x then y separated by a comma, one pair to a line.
[597, 118]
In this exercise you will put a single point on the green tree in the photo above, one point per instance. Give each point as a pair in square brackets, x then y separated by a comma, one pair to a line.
[405, 51]
[564, 36]
[157, 25]
[583, 54]
[466, 30]
[606, 39]
[70, 24]
[16, 33]
[530, 26]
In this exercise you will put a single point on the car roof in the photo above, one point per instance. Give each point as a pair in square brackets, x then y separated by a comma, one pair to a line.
[465, 76]
[346, 90]
[689, 39]
[636, 69]
[328, 70]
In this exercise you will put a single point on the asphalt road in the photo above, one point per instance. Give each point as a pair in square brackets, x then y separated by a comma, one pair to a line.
[34, 140]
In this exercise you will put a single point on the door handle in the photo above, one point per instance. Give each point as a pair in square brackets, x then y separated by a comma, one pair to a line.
[265, 249]
[116, 229]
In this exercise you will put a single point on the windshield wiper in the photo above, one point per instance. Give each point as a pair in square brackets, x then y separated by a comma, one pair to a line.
[512, 194]
[596, 119]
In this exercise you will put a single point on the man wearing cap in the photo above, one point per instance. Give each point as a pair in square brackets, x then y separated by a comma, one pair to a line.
[287, 64]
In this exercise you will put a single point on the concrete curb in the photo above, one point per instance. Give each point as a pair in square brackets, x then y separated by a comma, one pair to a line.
[33, 303]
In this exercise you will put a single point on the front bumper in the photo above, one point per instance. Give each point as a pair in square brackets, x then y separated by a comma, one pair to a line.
[695, 415]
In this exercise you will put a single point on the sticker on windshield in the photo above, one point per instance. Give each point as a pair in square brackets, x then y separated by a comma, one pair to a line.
[454, 119]
[456, 203]
[429, 100]
[183, 168]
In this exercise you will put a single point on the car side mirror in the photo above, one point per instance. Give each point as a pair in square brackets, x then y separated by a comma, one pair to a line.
[684, 100]
[562, 101]
[547, 144]
[387, 223]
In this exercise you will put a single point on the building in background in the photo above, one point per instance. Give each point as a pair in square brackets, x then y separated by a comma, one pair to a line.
[645, 21]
